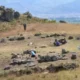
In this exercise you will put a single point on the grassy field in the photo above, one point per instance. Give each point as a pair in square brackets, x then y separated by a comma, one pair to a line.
[67, 75]
[45, 29]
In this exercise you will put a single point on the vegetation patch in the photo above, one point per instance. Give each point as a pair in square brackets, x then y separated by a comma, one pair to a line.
[37, 34]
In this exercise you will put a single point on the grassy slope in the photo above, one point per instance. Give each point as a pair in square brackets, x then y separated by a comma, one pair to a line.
[34, 27]
[5, 26]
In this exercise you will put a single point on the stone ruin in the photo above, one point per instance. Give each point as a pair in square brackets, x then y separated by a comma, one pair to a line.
[48, 58]
[67, 66]
[50, 69]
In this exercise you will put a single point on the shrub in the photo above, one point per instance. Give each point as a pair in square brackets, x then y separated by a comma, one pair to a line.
[37, 34]
[11, 39]
[61, 21]
[7, 15]
[29, 15]
[64, 51]
[52, 35]
[47, 36]
[70, 37]
[16, 15]
[20, 38]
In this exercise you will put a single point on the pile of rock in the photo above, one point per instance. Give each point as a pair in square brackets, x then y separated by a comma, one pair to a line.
[18, 38]
[48, 58]
[51, 69]
[61, 67]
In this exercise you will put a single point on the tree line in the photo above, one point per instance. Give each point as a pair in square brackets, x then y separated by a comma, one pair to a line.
[8, 14]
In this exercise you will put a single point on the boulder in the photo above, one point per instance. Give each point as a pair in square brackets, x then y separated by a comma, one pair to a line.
[73, 57]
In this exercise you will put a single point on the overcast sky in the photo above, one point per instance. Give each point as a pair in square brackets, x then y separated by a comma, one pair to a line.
[34, 6]
[47, 2]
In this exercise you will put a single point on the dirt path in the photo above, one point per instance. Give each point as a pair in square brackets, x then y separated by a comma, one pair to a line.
[44, 27]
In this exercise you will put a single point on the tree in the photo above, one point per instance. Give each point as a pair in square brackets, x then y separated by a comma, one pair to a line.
[16, 15]
[2, 8]
[7, 14]
[29, 15]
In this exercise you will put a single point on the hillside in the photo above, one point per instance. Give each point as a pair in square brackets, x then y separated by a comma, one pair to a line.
[43, 28]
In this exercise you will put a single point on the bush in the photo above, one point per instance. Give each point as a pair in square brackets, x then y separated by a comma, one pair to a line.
[70, 37]
[64, 51]
[29, 15]
[52, 35]
[16, 15]
[7, 15]
[61, 21]
[56, 35]
[11, 39]
[20, 38]
[37, 34]
[47, 36]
